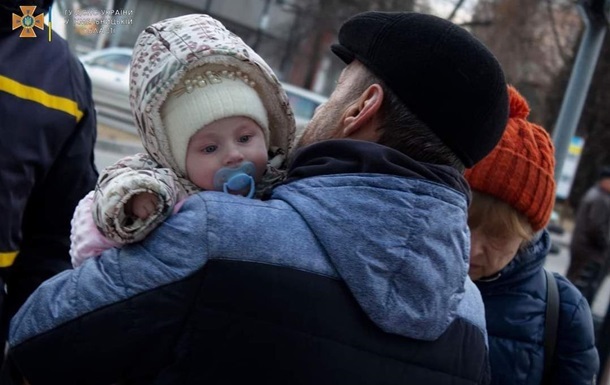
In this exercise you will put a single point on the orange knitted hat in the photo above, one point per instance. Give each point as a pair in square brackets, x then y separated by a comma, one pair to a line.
[519, 170]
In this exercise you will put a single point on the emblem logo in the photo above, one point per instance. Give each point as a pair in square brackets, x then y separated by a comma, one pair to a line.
[28, 21]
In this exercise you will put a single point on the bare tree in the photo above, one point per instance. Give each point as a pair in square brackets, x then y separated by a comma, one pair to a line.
[317, 23]
[536, 42]
[532, 40]
[455, 10]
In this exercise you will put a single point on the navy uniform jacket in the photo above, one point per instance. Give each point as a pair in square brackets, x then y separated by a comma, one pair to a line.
[47, 134]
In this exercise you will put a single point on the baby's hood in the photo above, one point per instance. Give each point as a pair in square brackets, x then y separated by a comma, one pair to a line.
[166, 50]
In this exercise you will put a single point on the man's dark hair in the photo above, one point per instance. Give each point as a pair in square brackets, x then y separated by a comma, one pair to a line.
[604, 172]
[402, 130]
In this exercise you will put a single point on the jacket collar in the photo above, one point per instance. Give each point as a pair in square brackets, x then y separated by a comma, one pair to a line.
[345, 156]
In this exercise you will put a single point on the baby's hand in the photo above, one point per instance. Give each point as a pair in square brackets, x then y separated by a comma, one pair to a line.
[142, 205]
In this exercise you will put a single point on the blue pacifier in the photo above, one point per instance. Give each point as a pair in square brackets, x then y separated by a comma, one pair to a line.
[234, 179]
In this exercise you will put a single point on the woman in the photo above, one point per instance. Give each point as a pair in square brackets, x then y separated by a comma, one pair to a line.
[513, 196]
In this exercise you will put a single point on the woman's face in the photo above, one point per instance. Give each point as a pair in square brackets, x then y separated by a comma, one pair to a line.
[490, 254]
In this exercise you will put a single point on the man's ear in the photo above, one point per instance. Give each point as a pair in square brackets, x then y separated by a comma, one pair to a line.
[358, 119]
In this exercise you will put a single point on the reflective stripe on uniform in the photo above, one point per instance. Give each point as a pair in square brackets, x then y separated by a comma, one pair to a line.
[7, 259]
[39, 96]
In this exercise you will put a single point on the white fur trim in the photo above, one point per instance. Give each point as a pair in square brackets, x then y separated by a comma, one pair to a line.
[186, 114]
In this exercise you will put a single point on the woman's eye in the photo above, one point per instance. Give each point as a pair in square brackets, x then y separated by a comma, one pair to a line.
[210, 149]
[244, 138]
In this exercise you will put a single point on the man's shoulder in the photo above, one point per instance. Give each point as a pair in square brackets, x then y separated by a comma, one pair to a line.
[46, 66]
[214, 200]
[593, 194]
[227, 216]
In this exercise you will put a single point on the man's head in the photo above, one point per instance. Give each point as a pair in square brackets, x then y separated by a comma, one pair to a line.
[604, 178]
[416, 83]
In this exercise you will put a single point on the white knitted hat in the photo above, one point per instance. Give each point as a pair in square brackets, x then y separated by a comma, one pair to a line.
[203, 102]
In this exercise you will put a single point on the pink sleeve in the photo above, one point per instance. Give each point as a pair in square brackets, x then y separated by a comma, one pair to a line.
[86, 240]
[178, 205]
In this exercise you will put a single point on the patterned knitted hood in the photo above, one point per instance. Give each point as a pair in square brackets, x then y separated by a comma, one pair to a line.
[166, 50]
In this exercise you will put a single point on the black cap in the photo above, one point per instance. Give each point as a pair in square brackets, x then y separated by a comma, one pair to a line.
[442, 73]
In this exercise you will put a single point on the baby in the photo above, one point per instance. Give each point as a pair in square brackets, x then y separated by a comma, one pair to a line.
[211, 115]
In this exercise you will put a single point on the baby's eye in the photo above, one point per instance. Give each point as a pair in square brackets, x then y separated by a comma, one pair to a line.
[244, 138]
[210, 149]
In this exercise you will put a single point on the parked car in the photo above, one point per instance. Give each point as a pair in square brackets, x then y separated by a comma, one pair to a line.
[109, 72]
[108, 69]
[303, 103]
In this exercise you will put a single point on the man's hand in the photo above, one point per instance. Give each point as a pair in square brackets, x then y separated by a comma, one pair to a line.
[142, 205]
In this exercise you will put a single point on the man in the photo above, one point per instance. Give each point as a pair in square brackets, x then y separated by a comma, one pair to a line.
[590, 245]
[47, 134]
[355, 271]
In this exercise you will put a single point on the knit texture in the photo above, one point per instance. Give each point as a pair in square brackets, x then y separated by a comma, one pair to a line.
[185, 114]
[519, 170]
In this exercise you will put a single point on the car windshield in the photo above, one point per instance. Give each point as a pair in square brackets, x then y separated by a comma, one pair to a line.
[301, 106]
[113, 62]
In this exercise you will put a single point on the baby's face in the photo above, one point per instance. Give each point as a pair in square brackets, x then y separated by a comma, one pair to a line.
[226, 142]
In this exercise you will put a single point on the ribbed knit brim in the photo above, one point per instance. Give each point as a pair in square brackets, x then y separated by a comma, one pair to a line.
[187, 113]
[519, 170]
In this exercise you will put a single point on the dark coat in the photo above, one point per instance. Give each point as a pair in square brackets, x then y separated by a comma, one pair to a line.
[47, 135]
[591, 235]
[515, 304]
